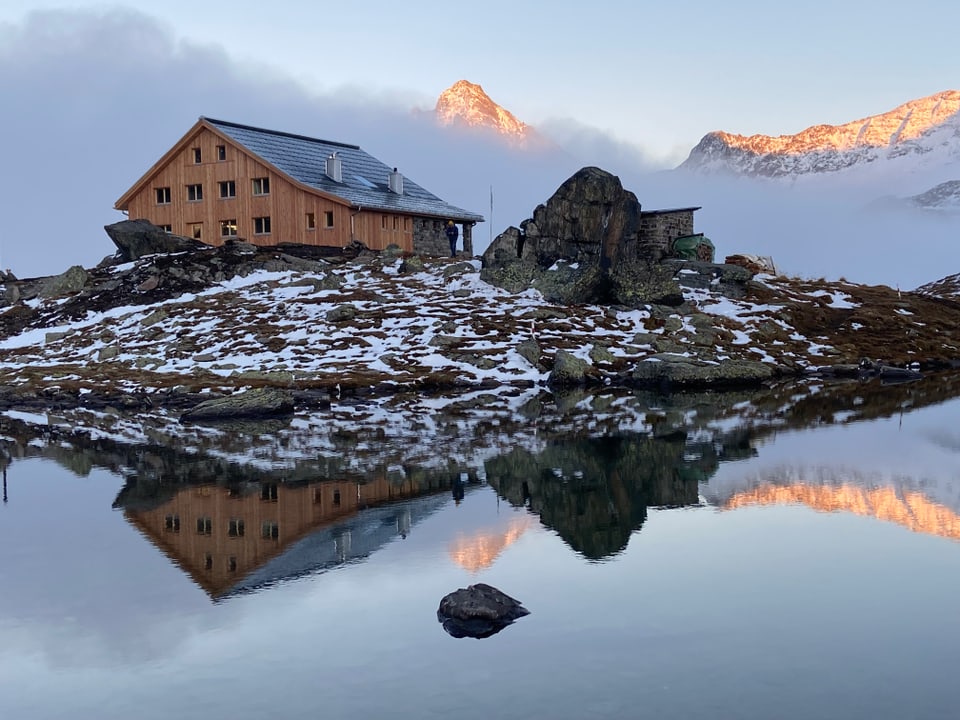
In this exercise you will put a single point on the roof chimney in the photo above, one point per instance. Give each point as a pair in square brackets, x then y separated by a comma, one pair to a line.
[395, 181]
[334, 168]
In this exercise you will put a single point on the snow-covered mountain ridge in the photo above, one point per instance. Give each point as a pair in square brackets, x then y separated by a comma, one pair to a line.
[927, 126]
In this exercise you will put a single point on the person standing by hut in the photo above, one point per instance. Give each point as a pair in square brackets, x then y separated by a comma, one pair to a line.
[453, 234]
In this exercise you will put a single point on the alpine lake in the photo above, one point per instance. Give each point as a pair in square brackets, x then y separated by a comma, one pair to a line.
[790, 552]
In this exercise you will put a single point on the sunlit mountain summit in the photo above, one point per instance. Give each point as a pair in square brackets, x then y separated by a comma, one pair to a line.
[926, 131]
[466, 104]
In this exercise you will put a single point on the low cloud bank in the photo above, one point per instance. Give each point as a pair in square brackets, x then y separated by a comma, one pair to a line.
[74, 146]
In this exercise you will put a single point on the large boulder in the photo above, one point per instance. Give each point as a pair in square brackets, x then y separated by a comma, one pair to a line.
[136, 238]
[679, 370]
[255, 403]
[478, 611]
[582, 246]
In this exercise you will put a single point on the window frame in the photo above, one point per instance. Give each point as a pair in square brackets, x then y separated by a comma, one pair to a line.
[226, 226]
[263, 223]
[260, 186]
[227, 189]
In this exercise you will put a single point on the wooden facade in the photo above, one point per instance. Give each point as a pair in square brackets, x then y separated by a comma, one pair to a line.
[212, 188]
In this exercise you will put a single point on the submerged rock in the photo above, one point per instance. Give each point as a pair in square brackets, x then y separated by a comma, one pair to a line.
[478, 611]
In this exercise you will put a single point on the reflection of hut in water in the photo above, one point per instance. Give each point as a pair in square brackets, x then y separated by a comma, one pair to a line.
[235, 539]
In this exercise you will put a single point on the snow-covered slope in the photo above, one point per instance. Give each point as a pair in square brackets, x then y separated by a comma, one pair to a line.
[926, 130]
[945, 196]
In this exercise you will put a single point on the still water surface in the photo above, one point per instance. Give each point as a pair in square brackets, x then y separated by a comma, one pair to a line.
[801, 573]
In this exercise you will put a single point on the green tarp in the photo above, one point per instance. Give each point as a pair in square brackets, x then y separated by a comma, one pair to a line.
[693, 247]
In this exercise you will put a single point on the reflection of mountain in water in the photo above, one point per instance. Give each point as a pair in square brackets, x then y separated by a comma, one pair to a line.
[479, 550]
[239, 538]
[927, 506]
[595, 492]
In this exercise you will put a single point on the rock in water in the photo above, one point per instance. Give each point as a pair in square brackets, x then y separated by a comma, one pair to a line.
[478, 611]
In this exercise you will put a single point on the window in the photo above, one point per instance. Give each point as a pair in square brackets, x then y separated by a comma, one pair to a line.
[172, 523]
[167, 228]
[383, 222]
[261, 225]
[235, 528]
[328, 218]
[197, 156]
[196, 231]
[270, 530]
[311, 221]
[204, 525]
[163, 196]
[261, 186]
[221, 153]
[228, 189]
[194, 193]
[228, 228]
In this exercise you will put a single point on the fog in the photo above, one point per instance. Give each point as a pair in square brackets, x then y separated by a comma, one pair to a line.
[92, 99]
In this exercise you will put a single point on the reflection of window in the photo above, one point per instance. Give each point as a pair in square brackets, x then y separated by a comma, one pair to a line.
[204, 525]
[228, 188]
[196, 231]
[221, 152]
[235, 528]
[163, 196]
[328, 218]
[317, 496]
[336, 497]
[311, 221]
[228, 228]
[270, 530]
[383, 222]
[268, 491]
[208, 561]
[232, 564]
[194, 192]
[261, 225]
[172, 523]
[261, 186]
[396, 223]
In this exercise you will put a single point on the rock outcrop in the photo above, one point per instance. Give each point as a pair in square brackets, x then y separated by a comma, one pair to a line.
[478, 611]
[136, 238]
[583, 246]
[256, 403]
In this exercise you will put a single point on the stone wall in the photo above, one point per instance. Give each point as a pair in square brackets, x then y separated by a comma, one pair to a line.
[658, 230]
[429, 238]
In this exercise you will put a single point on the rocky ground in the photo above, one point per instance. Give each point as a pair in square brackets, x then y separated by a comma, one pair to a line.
[171, 329]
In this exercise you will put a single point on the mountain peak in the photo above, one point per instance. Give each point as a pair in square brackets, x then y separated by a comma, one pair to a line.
[466, 103]
[913, 128]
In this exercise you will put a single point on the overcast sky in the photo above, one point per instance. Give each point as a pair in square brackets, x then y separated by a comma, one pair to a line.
[93, 96]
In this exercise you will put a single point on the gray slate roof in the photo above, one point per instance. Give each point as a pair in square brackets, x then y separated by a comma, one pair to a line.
[364, 177]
